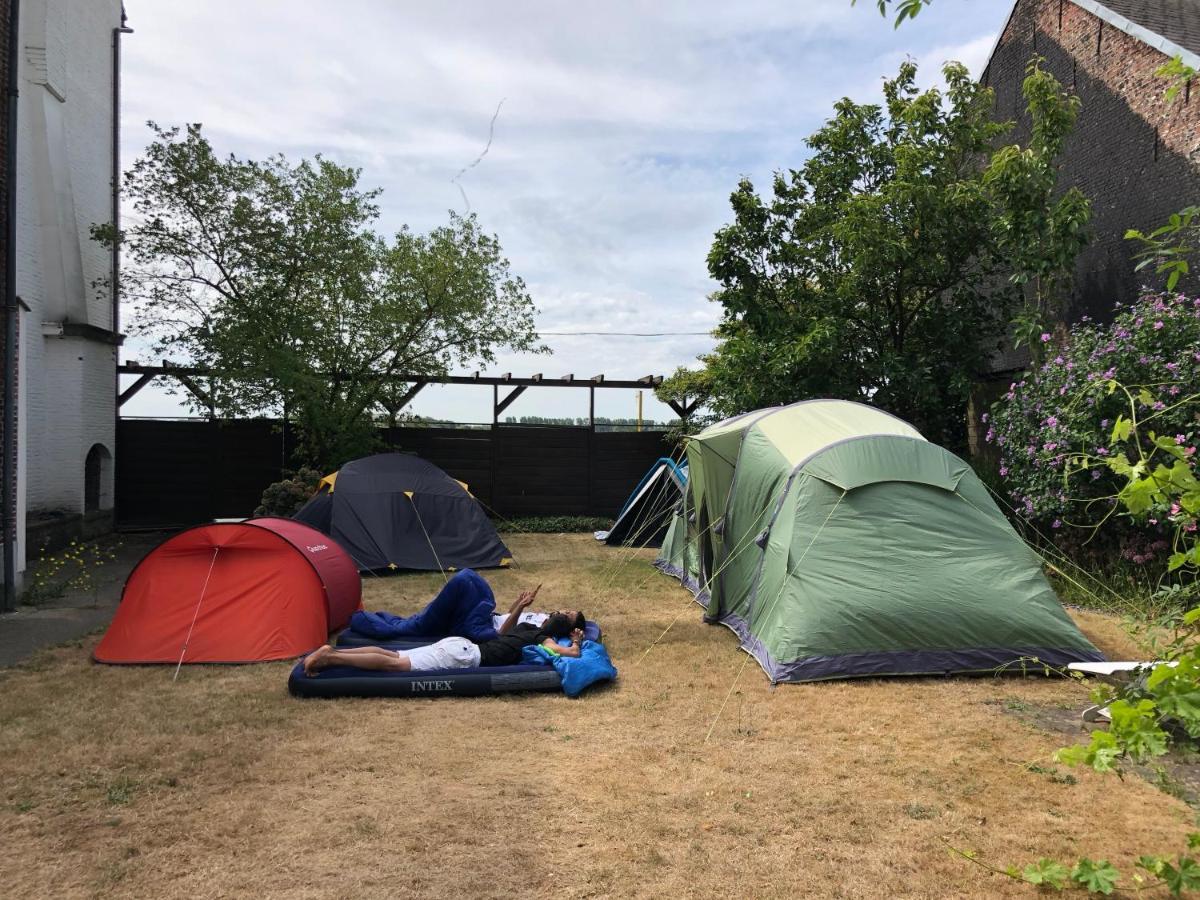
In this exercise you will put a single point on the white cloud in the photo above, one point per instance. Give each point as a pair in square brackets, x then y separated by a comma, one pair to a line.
[624, 128]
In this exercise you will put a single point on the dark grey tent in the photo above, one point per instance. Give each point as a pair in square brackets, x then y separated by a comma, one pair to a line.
[398, 511]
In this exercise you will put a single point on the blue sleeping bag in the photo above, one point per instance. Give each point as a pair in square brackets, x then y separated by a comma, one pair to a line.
[577, 673]
[463, 608]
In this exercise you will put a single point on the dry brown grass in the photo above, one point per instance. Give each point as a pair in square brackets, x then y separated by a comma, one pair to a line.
[115, 782]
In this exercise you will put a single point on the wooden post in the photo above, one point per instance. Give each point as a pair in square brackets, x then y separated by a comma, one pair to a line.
[494, 445]
[591, 452]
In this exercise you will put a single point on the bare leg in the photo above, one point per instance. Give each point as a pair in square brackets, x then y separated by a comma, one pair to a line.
[375, 658]
[313, 658]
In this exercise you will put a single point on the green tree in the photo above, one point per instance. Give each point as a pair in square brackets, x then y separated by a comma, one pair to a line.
[1039, 230]
[876, 271]
[271, 275]
[905, 9]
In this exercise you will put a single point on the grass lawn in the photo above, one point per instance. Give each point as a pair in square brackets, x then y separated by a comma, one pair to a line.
[116, 782]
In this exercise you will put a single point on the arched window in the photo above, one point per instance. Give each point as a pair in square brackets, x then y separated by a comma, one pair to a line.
[98, 479]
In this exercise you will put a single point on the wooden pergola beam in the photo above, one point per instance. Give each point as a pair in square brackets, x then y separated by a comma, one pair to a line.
[408, 395]
[130, 391]
[504, 404]
[198, 392]
[599, 381]
[684, 409]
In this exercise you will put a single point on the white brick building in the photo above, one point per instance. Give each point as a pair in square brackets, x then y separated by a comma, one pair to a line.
[67, 345]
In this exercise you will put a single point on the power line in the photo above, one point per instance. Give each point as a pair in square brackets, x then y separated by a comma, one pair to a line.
[627, 333]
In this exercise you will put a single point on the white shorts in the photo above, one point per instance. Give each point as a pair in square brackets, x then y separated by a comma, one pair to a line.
[448, 653]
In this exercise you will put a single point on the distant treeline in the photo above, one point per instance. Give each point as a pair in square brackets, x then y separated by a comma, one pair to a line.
[602, 423]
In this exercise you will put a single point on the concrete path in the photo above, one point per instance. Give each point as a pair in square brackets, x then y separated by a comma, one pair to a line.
[76, 613]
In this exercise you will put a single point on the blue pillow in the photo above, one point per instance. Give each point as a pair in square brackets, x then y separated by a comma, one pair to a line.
[577, 673]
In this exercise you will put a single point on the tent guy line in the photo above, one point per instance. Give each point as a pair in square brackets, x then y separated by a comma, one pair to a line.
[187, 640]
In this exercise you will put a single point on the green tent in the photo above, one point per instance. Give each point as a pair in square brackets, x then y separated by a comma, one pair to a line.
[835, 541]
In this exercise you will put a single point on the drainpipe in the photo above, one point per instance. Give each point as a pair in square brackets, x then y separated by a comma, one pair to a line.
[9, 449]
[116, 224]
[116, 170]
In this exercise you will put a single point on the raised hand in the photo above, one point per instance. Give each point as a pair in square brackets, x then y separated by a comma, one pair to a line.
[525, 598]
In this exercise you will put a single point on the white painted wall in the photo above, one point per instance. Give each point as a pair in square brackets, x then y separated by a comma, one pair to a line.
[64, 165]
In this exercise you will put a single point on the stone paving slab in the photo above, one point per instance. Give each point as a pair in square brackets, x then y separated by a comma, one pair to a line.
[76, 614]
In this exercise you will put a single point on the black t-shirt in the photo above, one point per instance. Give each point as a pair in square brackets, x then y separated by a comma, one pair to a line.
[505, 650]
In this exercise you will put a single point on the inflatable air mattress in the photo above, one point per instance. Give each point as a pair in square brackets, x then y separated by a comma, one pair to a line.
[343, 681]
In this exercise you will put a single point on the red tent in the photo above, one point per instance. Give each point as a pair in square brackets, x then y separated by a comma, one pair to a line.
[245, 592]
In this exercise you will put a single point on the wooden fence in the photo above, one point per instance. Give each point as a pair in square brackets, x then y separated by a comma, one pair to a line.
[176, 473]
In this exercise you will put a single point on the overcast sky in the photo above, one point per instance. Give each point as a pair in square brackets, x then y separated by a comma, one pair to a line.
[623, 128]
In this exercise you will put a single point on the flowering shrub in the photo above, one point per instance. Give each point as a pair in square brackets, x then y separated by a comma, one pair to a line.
[285, 498]
[1055, 428]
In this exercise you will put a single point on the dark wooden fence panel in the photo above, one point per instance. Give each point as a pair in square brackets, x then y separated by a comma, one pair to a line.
[541, 471]
[464, 453]
[171, 473]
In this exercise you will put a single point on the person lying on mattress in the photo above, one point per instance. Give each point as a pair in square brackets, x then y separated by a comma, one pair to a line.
[460, 653]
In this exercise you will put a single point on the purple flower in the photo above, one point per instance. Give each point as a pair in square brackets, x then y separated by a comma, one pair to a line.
[1111, 373]
[1102, 451]
[1158, 325]
[1058, 360]
[1049, 445]
[1095, 474]
[1180, 439]
[1158, 404]
[1003, 470]
[1052, 421]
[984, 418]
[1057, 523]
[1104, 423]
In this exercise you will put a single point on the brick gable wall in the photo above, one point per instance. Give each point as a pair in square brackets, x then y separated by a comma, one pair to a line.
[1134, 155]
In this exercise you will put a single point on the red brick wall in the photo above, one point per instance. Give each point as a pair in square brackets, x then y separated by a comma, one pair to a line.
[1134, 155]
